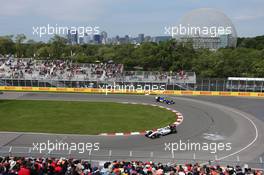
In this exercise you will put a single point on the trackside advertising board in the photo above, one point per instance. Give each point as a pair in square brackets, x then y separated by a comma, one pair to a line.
[127, 91]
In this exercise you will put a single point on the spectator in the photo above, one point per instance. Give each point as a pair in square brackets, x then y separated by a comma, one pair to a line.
[47, 166]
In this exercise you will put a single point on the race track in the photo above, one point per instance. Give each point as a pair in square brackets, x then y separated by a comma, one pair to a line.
[239, 121]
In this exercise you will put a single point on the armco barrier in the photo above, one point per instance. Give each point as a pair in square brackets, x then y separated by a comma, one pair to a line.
[97, 90]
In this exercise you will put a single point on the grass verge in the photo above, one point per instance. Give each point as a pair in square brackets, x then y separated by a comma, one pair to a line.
[72, 117]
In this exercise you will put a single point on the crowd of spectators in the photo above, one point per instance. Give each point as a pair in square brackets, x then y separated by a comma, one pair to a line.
[62, 166]
[159, 76]
[57, 70]
[108, 70]
[29, 69]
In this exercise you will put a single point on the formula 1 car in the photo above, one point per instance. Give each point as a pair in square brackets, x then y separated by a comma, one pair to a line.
[161, 132]
[164, 100]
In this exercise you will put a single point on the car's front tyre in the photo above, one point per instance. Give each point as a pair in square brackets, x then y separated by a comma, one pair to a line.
[153, 137]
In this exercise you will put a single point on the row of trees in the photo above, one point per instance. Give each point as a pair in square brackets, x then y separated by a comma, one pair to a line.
[245, 60]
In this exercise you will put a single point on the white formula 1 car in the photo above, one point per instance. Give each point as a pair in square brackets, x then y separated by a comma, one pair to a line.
[161, 132]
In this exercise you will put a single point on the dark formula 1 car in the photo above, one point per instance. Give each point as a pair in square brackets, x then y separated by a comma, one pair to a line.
[161, 132]
[164, 100]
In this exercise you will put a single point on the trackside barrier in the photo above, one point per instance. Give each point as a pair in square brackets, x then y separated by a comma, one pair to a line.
[127, 91]
[111, 155]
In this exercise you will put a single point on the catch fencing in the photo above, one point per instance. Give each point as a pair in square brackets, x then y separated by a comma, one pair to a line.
[200, 85]
[111, 155]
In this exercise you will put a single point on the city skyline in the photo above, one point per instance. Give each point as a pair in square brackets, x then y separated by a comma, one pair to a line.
[122, 17]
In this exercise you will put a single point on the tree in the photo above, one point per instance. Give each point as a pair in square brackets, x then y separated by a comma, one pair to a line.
[43, 52]
[6, 45]
[246, 60]
[57, 46]
[20, 50]
[105, 53]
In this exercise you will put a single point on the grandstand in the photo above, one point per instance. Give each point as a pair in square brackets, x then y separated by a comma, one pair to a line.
[57, 73]
[245, 84]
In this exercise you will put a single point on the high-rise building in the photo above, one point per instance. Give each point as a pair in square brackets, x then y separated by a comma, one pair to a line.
[104, 37]
[126, 38]
[147, 39]
[81, 40]
[140, 38]
[97, 39]
[158, 39]
[116, 40]
[87, 38]
[72, 37]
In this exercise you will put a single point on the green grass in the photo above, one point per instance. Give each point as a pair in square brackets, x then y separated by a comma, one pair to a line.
[80, 117]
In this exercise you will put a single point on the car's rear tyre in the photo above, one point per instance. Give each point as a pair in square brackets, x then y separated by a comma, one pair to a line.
[174, 131]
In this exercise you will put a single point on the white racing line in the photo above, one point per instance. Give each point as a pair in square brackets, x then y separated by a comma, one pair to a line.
[234, 111]
[251, 143]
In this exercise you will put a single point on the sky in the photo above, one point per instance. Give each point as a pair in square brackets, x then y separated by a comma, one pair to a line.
[121, 17]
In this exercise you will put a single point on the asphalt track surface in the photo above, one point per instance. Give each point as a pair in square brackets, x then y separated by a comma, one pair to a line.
[207, 121]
